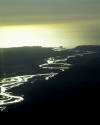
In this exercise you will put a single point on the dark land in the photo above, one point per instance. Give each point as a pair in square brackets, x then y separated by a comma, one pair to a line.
[77, 87]
[26, 60]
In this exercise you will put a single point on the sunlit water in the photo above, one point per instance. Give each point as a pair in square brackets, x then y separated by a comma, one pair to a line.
[58, 62]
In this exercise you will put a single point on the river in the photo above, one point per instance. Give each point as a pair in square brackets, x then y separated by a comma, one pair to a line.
[58, 63]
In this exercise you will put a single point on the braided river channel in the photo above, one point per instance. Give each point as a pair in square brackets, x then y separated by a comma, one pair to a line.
[58, 62]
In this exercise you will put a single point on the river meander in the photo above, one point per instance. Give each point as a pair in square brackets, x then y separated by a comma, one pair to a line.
[58, 63]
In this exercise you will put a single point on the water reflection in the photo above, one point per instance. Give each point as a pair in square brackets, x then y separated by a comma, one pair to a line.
[8, 83]
[58, 62]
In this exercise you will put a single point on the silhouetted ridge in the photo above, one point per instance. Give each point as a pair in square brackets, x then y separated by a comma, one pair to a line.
[88, 48]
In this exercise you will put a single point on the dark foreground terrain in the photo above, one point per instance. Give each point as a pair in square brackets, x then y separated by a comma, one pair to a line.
[26, 60]
[76, 88]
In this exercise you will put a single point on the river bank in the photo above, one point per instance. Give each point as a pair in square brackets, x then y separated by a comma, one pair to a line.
[79, 85]
[26, 60]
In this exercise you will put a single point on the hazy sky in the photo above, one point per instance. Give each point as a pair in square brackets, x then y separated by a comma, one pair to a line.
[49, 22]
[47, 11]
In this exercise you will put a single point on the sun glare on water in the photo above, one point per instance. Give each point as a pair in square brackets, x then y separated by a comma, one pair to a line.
[16, 36]
[50, 35]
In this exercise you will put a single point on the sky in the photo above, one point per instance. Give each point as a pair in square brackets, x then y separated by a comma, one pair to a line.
[49, 22]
